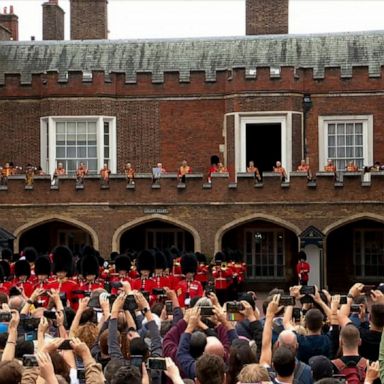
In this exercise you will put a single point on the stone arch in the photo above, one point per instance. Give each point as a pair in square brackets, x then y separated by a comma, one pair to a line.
[350, 219]
[48, 218]
[166, 219]
[257, 216]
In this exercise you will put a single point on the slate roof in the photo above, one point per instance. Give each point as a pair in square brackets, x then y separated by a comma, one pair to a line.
[316, 51]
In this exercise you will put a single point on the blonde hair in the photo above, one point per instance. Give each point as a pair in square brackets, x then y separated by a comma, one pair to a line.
[88, 333]
[253, 373]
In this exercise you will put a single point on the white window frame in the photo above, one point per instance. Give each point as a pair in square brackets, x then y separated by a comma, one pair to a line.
[242, 119]
[367, 122]
[48, 140]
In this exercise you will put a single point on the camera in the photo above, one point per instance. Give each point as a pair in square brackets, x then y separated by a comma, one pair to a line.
[296, 314]
[81, 374]
[368, 288]
[169, 307]
[343, 299]
[130, 303]
[287, 300]
[206, 311]
[50, 315]
[234, 307]
[5, 317]
[30, 324]
[65, 345]
[30, 361]
[116, 284]
[158, 291]
[307, 290]
[157, 363]
[94, 302]
[210, 288]
[355, 308]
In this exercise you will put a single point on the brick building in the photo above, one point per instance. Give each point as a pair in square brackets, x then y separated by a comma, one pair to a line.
[259, 97]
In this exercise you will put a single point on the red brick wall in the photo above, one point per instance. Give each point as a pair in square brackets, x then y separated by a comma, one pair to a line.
[89, 19]
[266, 17]
[53, 22]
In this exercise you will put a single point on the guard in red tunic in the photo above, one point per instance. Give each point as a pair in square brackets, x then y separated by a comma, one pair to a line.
[63, 267]
[6, 269]
[188, 288]
[302, 269]
[7, 255]
[43, 272]
[223, 276]
[159, 278]
[5, 285]
[108, 270]
[122, 268]
[22, 274]
[30, 254]
[202, 269]
[90, 271]
[133, 273]
[145, 263]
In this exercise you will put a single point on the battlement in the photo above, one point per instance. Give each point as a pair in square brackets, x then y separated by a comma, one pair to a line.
[353, 186]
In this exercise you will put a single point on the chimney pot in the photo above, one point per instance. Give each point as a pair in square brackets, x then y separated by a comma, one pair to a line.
[11, 9]
[5, 10]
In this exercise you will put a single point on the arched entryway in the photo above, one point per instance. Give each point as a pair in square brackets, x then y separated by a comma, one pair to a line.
[354, 252]
[156, 232]
[44, 234]
[269, 247]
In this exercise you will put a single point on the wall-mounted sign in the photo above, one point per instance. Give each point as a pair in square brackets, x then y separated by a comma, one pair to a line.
[151, 211]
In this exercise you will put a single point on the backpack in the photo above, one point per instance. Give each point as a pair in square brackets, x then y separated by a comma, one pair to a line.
[353, 372]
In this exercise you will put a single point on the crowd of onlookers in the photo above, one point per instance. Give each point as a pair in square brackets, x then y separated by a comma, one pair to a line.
[301, 337]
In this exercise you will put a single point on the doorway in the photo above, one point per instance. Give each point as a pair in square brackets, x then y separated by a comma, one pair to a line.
[263, 145]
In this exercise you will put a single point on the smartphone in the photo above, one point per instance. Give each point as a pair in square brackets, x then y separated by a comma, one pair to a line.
[5, 317]
[30, 361]
[116, 284]
[30, 324]
[343, 299]
[65, 345]
[50, 315]
[206, 311]
[169, 307]
[306, 299]
[296, 314]
[157, 363]
[94, 302]
[158, 291]
[210, 289]
[78, 292]
[287, 300]
[81, 374]
[355, 308]
[233, 311]
[130, 303]
[368, 288]
[307, 290]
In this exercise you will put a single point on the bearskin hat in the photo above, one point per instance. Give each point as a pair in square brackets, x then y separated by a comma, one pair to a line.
[122, 263]
[201, 258]
[302, 255]
[188, 263]
[89, 265]
[169, 258]
[62, 260]
[113, 255]
[2, 277]
[145, 261]
[30, 254]
[22, 268]
[174, 252]
[6, 268]
[220, 257]
[160, 260]
[6, 254]
[236, 256]
[42, 266]
[215, 159]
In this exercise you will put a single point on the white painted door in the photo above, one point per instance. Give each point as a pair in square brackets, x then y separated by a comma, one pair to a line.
[313, 257]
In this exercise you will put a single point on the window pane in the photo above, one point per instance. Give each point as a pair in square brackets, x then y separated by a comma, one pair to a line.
[358, 128]
[71, 152]
[331, 141]
[349, 129]
[81, 152]
[341, 152]
[92, 127]
[92, 152]
[331, 129]
[60, 139]
[332, 152]
[340, 129]
[349, 140]
[60, 128]
[60, 152]
[340, 140]
[106, 153]
[359, 140]
[92, 139]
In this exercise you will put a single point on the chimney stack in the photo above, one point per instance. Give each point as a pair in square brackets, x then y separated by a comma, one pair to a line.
[266, 17]
[53, 21]
[11, 22]
[89, 19]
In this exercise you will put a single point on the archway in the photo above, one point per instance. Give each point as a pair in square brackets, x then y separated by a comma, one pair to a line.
[49, 231]
[269, 247]
[155, 232]
[354, 250]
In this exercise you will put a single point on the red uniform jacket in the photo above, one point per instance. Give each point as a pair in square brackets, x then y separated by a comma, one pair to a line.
[66, 286]
[202, 273]
[302, 270]
[223, 277]
[188, 290]
[27, 286]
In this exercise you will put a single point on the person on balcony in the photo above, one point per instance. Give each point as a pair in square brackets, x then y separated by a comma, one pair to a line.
[81, 172]
[104, 175]
[278, 168]
[129, 173]
[184, 169]
[252, 169]
[304, 167]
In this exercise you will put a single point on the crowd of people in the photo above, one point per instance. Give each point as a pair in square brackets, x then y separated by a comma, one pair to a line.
[163, 319]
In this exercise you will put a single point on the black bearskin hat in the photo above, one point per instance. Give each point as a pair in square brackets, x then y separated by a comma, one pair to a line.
[30, 254]
[160, 260]
[302, 255]
[201, 258]
[22, 268]
[113, 255]
[62, 260]
[2, 277]
[174, 252]
[89, 265]
[236, 256]
[188, 263]
[145, 261]
[215, 160]
[42, 266]
[122, 263]
[169, 259]
[6, 254]
[6, 268]
[220, 257]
